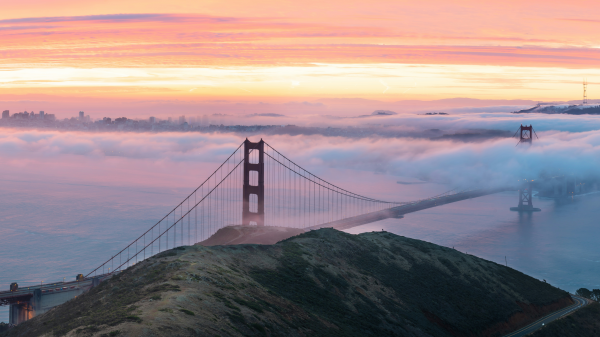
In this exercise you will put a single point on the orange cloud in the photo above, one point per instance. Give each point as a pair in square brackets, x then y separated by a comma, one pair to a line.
[201, 40]
[264, 36]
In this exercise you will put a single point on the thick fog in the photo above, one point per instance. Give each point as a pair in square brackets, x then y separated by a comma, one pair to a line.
[567, 145]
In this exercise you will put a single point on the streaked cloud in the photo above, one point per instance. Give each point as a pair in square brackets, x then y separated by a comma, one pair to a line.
[263, 49]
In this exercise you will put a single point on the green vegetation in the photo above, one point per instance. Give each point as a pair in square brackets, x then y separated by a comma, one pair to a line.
[584, 322]
[590, 294]
[443, 300]
[187, 312]
[256, 306]
[134, 318]
[166, 254]
[324, 282]
[109, 304]
[3, 327]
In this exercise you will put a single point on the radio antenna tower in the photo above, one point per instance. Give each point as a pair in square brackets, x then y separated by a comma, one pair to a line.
[585, 101]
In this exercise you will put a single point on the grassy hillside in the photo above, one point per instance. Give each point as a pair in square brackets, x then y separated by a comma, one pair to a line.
[582, 323]
[323, 282]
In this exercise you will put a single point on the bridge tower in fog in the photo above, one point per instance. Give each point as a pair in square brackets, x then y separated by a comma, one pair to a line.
[525, 199]
[253, 208]
[525, 192]
[526, 134]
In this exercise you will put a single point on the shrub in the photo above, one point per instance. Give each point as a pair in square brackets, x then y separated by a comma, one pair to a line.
[134, 318]
[187, 312]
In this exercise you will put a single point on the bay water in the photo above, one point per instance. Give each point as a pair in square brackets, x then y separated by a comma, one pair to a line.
[55, 229]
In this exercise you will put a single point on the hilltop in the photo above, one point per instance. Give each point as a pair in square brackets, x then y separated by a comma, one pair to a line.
[569, 109]
[323, 282]
[262, 235]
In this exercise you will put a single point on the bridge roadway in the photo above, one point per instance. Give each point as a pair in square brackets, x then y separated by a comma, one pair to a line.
[28, 302]
[399, 211]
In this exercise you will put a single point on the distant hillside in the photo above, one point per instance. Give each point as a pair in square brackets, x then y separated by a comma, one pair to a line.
[320, 283]
[569, 109]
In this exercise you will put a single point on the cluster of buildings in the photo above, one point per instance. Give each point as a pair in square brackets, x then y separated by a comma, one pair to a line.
[41, 116]
[28, 116]
[85, 122]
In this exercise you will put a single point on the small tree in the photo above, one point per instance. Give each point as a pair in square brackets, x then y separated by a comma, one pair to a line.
[583, 292]
[596, 295]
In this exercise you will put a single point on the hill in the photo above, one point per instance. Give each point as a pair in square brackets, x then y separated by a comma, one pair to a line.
[569, 109]
[261, 235]
[324, 282]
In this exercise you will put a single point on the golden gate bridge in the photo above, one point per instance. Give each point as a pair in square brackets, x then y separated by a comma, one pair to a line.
[256, 185]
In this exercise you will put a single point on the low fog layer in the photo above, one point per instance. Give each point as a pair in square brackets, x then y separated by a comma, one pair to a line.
[567, 145]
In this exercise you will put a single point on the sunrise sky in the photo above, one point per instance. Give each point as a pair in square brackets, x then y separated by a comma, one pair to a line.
[66, 55]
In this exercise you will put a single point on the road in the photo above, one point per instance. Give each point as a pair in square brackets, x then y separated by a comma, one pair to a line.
[409, 207]
[580, 302]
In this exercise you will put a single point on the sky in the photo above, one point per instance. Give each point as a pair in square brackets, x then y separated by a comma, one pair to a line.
[145, 58]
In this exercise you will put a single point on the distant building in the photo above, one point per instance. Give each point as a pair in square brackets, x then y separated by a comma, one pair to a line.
[170, 120]
[152, 120]
[181, 119]
[5, 114]
[41, 114]
[107, 120]
[81, 115]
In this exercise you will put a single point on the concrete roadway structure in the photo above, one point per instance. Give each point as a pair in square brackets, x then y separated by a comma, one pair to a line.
[580, 302]
[399, 211]
[28, 302]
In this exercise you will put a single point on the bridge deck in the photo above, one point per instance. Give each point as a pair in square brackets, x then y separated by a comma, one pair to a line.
[23, 294]
[399, 211]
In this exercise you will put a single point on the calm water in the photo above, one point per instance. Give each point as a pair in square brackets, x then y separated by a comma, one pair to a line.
[559, 244]
[50, 230]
